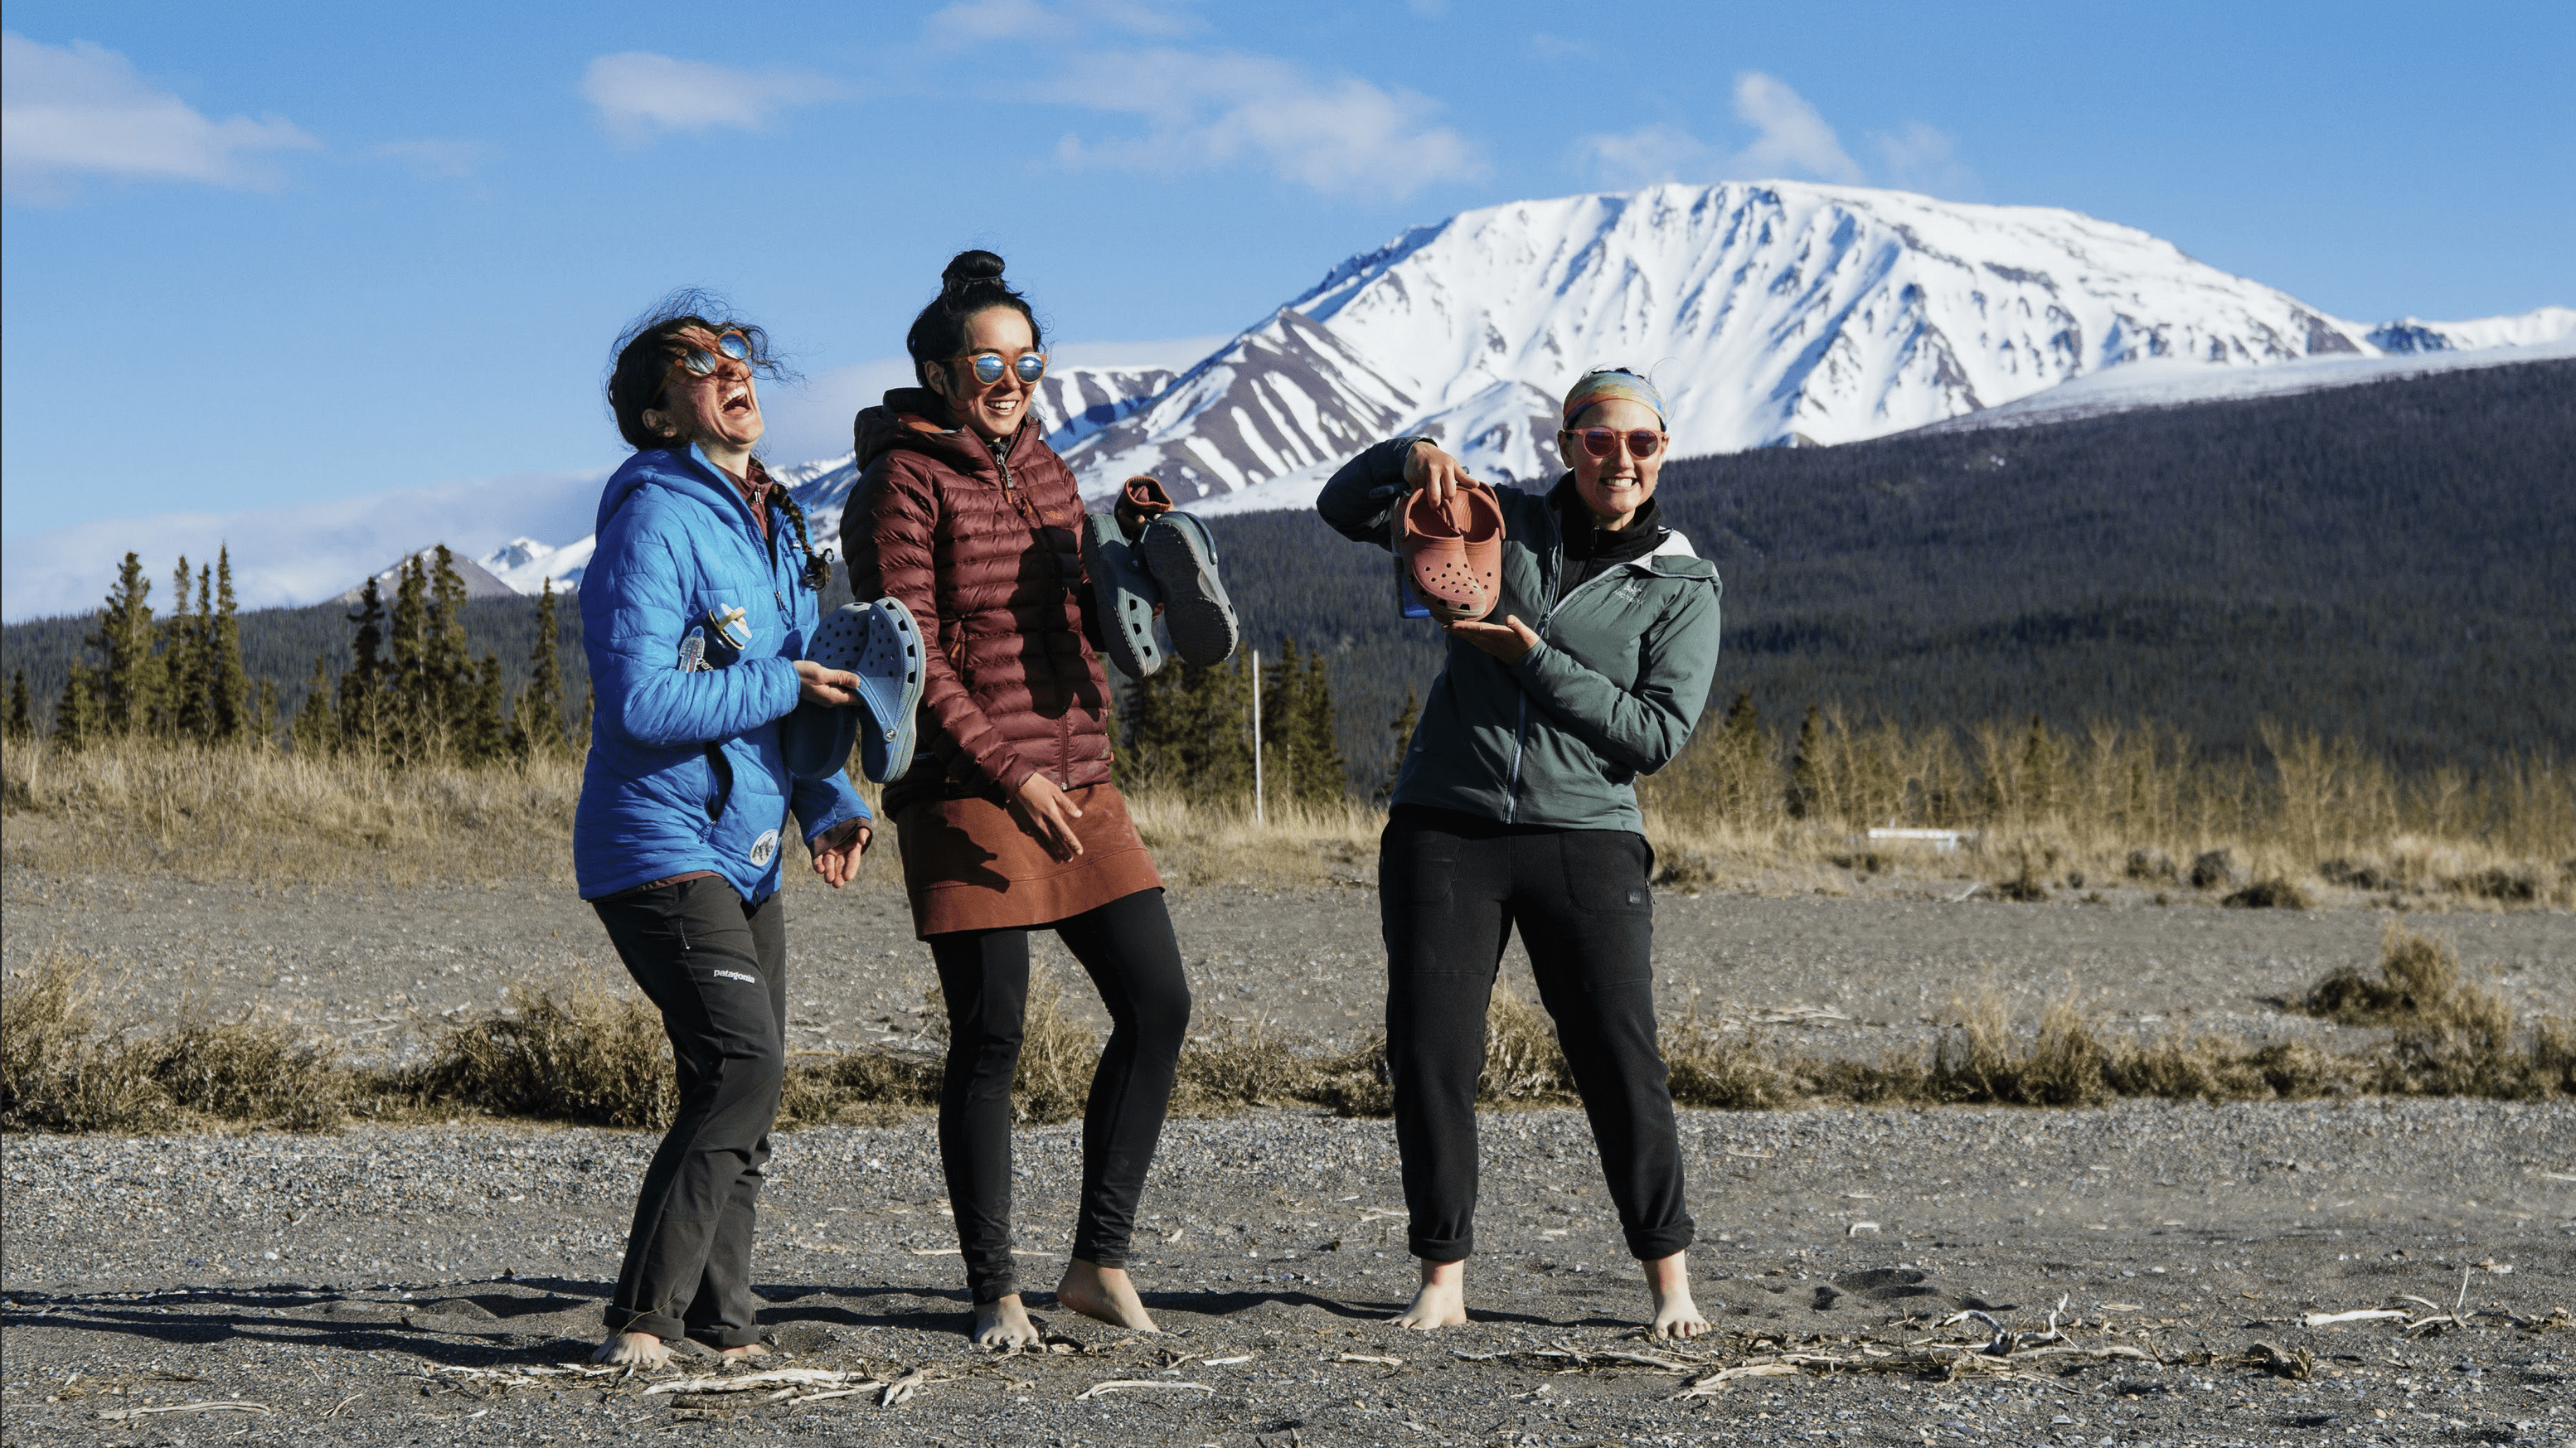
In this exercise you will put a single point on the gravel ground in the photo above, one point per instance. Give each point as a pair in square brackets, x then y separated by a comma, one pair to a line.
[363, 965]
[384, 1286]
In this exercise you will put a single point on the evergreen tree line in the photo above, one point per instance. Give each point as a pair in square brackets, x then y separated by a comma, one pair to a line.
[1191, 729]
[412, 691]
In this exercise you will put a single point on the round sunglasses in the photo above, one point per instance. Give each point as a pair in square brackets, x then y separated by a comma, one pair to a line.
[1602, 442]
[989, 366]
[699, 362]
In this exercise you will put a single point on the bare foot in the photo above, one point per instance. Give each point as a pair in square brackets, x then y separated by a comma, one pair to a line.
[633, 1350]
[744, 1353]
[1442, 1302]
[1004, 1323]
[1106, 1293]
[1668, 1283]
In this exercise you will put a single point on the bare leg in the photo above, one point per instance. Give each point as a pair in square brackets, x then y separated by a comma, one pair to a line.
[1442, 1302]
[1004, 1323]
[633, 1350]
[1106, 1293]
[1668, 1283]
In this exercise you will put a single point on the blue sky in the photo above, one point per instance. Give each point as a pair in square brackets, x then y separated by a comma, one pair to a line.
[282, 257]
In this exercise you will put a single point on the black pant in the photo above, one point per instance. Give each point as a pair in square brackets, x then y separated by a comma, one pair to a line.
[1450, 888]
[717, 968]
[1127, 947]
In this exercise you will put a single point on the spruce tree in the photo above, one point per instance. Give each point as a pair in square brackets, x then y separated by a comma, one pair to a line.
[409, 701]
[448, 662]
[317, 726]
[1739, 757]
[362, 689]
[536, 722]
[1316, 742]
[228, 682]
[479, 734]
[189, 690]
[76, 718]
[22, 714]
[129, 688]
[1406, 720]
[1280, 682]
[1806, 769]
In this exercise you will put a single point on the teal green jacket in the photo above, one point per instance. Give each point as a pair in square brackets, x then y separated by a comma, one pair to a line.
[1618, 681]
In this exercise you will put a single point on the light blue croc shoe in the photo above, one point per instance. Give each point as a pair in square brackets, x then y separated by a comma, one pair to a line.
[1126, 595]
[881, 644]
[1181, 554]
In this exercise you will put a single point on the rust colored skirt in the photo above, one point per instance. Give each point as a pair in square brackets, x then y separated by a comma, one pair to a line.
[969, 866]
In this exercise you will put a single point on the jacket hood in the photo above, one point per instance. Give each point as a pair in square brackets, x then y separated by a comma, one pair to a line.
[687, 474]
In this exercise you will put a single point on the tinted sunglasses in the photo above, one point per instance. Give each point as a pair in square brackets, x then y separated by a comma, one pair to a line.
[1602, 442]
[699, 362]
[989, 366]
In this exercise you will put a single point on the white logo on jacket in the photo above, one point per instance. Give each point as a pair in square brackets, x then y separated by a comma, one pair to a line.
[763, 848]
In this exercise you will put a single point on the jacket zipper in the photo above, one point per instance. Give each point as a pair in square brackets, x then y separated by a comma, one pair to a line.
[1520, 726]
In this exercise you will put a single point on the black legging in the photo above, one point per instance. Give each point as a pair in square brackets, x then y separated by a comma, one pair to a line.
[1450, 888]
[1128, 947]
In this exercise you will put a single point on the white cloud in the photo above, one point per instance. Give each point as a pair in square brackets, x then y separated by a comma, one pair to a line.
[1791, 136]
[1790, 139]
[1919, 158]
[81, 110]
[434, 160]
[297, 554]
[1645, 156]
[1336, 134]
[639, 94]
[973, 22]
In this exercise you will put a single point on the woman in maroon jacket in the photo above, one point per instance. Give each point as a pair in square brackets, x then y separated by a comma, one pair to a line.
[1007, 820]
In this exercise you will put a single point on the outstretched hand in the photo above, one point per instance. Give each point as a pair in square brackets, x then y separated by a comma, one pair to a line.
[838, 852]
[1510, 641]
[1428, 468]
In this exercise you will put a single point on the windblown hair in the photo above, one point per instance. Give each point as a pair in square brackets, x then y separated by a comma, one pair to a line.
[971, 283]
[639, 378]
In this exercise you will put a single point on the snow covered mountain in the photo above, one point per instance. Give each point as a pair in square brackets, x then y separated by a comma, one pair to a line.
[1768, 313]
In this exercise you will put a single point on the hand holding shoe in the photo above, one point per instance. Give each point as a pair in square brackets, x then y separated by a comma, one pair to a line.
[1428, 469]
[834, 687]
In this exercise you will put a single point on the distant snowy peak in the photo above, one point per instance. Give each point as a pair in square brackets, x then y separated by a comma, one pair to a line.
[2530, 329]
[525, 564]
[1767, 312]
[1075, 402]
[479, 579]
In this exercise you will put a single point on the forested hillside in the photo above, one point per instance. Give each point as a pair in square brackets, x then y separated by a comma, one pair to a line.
[2387, 562]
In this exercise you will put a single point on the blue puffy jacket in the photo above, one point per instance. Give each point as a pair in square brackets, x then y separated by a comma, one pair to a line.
[685, 772]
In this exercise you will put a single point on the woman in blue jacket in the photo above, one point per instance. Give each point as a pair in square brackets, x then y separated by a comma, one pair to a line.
[695, 610]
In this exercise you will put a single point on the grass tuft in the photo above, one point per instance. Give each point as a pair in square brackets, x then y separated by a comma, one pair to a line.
[592, 1055]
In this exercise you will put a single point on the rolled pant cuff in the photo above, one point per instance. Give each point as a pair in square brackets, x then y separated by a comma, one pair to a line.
[727, 1338]
[988, 1293]
[1102, 1255]
[1441, 1249]
[627, 1319]
[1661, 1242]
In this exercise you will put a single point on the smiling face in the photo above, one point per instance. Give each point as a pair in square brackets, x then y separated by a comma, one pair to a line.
[1615, 487]
[992, 410]
[719, 412]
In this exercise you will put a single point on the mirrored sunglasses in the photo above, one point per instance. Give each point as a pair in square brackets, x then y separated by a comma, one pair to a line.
[1602, 442]
[699, 362]
[989, 366]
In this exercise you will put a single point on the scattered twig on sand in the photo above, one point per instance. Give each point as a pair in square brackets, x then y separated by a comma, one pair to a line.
[2359, 1314]
[903, 1389]
[1709, 1385]
[1362, 1357]
[1122, 1385]
[223, 1405]
[776, 1377]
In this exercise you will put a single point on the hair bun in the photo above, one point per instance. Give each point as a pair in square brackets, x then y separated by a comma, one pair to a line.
[969, 267]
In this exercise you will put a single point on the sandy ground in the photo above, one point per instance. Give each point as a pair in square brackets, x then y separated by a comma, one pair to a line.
[371, 967]
[389, 1285]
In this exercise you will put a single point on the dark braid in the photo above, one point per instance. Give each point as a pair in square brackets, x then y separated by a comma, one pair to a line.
[818, 566]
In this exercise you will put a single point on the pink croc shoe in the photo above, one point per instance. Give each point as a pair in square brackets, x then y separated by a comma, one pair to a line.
[1454, 553]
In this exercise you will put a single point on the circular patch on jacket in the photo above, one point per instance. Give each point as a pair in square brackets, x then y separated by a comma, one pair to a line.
[763, 848]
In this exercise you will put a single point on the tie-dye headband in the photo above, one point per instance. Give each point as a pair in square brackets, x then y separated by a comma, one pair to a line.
[1601, 386]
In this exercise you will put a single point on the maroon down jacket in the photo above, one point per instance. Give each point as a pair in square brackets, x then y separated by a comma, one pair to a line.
[987, 553]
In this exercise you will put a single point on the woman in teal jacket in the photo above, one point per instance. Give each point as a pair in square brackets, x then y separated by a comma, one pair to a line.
[695, 610]
[1516, 805]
